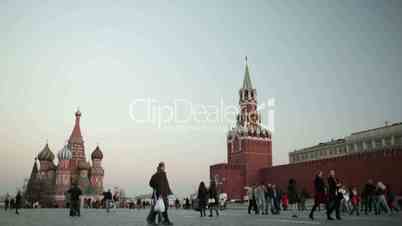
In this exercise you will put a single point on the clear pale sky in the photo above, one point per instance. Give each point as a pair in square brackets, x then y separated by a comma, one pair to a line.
[333, 67]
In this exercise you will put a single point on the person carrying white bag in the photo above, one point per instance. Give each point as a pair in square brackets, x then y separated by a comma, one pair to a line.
[160, 185]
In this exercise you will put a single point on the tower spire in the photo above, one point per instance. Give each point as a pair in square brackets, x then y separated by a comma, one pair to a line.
[76, 134]
[247, 80]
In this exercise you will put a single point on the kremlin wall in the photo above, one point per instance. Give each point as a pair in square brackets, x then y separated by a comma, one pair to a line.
[372, 154]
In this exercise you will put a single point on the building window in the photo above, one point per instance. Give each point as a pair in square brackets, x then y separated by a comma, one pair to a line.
[398, 140]
[351, 148]
[378, 143]
[387, 141]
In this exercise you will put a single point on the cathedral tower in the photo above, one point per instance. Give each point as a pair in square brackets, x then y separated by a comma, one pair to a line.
[76, 145]
[47, 175]
[97, 171]
[63, 175]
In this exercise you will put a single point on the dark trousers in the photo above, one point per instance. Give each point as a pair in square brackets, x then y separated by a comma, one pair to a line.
[16, 209]
[152, 214]
[252, 205]
[203, 207]
[334, 204]
[75, 208]
[213, 206]
[368, 204]
[355, 208]
[316, 205]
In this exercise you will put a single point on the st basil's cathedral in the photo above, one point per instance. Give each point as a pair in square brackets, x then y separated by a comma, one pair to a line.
[49, 183]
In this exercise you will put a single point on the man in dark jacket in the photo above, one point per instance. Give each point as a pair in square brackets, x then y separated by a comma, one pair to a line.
[107, 196]
[319, 196]
[75, 193]
[334, 197]
[368, 196]
[159, 183]
[18, 200]
[6, 202]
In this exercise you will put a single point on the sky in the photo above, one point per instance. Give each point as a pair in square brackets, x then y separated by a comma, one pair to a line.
[331, 67]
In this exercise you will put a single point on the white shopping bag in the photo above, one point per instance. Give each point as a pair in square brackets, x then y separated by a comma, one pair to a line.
[159, 206]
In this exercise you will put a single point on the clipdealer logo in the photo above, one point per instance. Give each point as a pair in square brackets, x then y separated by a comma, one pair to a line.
[183, 112]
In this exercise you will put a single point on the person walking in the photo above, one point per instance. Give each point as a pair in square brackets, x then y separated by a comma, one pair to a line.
[268, 199]
[391, 199]
[260, 198]
[381, 202]
[276, 200]
[355, 201]
[213, 201]
[160, 184]
[108, 197]
[18, 200]
[6, 202]
[202, 198]
[293, 196]
[252, 204]
[319, 195]
[334, 197]
[75, 193]
[368, 196]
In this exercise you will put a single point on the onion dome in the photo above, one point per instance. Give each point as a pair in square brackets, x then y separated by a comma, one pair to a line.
[84, 165]
[97, 154]
[46, 154]
[64, 154]
[78, 113]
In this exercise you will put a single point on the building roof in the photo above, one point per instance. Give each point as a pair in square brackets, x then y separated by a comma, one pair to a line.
[378, 128]
[64, 153]
[76, 136]
[46, 154]
[321, 144]
[247, 79]
[97, 153]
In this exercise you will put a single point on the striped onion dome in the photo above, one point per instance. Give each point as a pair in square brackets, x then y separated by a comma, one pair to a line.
[64, 154]
[97, 153]
[46, 154]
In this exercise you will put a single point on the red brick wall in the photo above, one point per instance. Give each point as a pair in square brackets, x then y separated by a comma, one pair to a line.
[231, 178]
[353, 170]
[257, 156]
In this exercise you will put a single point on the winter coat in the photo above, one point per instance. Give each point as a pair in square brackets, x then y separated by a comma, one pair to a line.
[319, 185]
[107, 195]
[203, 196]
[293, 195]
[260, 193]
[18, 200]
[160, 184]
[75, 193]
[332, 187]
[213, 193]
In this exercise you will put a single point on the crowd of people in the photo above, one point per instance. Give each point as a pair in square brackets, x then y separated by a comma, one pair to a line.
[373, 198]
[331, 193]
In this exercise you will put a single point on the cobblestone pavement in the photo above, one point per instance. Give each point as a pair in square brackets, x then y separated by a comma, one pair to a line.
[125, 217]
